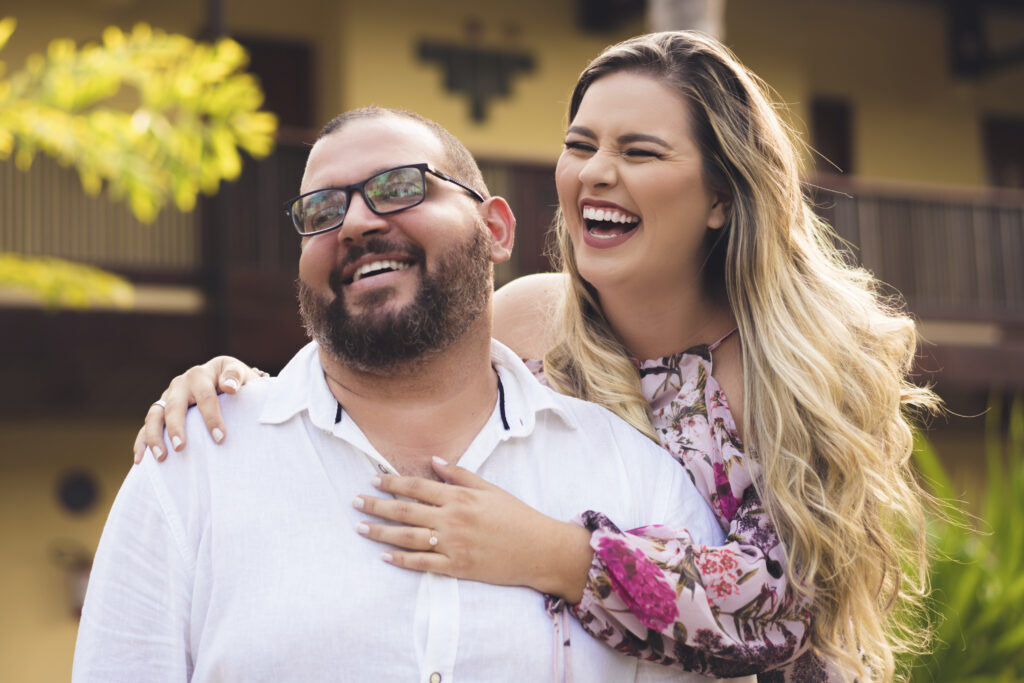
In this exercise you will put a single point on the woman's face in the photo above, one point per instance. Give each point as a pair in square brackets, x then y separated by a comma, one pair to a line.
[631, 187]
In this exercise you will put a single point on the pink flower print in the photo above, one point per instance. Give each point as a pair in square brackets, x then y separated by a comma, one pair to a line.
[723, 589]
[638, 582]
[726, 502]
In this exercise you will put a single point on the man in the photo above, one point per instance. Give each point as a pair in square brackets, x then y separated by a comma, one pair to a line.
[243, 565]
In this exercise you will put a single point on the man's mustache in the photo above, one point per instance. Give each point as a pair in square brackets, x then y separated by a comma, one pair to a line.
[374, 245]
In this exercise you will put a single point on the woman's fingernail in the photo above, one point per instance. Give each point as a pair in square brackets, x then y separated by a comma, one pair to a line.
[439, 461]
[176, 442]
[362, 529]
[218, 435]
[387, 557]
[358, 503]
[158, 452]
[231, 383]
[376, 482]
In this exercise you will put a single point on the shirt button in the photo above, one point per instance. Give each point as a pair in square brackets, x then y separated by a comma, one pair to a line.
[435, 677]
[385, 471]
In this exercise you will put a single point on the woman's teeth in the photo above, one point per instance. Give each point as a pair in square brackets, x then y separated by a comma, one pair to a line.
[608, 223]
[375, 266]
[591, 213]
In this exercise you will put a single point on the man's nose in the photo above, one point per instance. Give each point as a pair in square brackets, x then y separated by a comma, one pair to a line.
[360, 221]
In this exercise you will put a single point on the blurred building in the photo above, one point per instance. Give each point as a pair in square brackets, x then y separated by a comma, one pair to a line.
[916, 106]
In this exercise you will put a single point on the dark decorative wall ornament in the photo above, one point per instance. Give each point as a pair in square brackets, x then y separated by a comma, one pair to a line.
[478, 72]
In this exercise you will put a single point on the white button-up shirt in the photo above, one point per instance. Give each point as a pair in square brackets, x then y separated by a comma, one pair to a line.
[240, 562]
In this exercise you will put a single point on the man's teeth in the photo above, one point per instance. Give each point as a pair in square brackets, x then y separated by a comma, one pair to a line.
[374, 266]
[591, 213]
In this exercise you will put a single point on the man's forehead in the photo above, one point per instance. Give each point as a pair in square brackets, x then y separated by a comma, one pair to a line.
[364, 146]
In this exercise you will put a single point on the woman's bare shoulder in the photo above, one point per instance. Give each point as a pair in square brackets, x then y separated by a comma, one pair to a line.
[524, 313]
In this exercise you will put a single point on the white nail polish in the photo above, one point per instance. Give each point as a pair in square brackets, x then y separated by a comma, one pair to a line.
[158, 452]
[218, 435]
[176, 441]
[362, 529]
[387, 557]
[358, 503]
[376, 482]
[231, 383]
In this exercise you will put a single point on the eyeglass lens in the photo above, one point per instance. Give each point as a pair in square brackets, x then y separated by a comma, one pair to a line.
[385, 192]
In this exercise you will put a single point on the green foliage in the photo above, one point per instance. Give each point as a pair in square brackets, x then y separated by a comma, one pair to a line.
[978, 574]
[151, 116]
[63, 284]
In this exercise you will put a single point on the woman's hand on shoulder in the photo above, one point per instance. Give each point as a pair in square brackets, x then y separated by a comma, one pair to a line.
[199, 386]
[525, 313]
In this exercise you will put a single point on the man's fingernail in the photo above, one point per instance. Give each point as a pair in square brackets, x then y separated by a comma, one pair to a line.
[231, 383]
[218, 435]
[440, 461]
[176, 441]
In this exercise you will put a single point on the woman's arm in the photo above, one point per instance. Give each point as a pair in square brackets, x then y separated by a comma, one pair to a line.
[199, 386]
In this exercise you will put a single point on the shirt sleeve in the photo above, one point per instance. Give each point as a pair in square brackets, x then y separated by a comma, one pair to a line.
[134, 623]
[663, 593]
[723, 611]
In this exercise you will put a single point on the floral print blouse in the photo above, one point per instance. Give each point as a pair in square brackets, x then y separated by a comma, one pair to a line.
[652, 593]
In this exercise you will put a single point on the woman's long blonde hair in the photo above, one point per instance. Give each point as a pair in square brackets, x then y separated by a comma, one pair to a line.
[825, 359]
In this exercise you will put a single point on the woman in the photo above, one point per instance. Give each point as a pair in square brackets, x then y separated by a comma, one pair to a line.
[684, 237]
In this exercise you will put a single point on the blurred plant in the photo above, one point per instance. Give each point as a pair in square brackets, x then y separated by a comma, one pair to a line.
[978, 573]
[151, 116]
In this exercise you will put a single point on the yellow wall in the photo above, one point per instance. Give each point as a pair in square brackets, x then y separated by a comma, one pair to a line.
[381, 67]
[37, 630]
[912, 120]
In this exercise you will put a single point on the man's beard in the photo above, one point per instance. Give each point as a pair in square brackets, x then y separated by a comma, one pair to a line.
[447, 302]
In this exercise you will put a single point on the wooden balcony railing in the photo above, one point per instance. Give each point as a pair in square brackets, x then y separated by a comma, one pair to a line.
[954, 254]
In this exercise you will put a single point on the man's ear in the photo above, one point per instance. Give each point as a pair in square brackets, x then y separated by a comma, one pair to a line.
[501, 226]
[720, 211]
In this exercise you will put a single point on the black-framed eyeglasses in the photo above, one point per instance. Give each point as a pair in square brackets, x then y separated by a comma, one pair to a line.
[390, 191]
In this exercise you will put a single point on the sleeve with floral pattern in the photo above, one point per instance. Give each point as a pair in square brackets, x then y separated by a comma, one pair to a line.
[721, 611]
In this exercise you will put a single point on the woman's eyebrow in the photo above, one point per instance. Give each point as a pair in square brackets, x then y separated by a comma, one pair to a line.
[641, 137]
[581, 130]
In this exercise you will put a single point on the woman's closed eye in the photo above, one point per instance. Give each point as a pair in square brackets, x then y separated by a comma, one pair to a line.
[637, 153]
[580, 146]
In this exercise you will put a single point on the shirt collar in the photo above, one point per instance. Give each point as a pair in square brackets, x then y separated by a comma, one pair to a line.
[525, 396]
[301, 386]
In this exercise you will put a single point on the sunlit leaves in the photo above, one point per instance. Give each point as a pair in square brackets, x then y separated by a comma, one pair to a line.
[150, 117]
[155, 117]
[58, 283]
